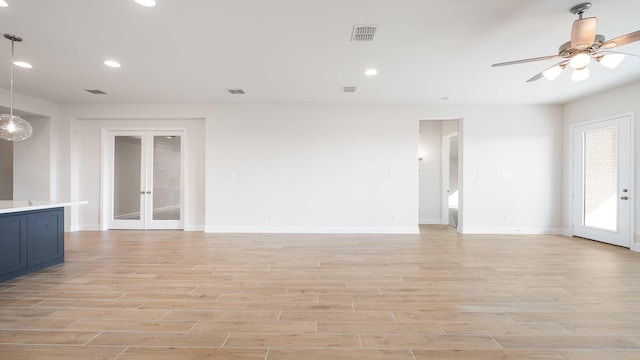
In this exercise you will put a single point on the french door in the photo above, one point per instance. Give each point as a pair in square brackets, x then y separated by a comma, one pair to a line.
[146, 180]
[602, 181]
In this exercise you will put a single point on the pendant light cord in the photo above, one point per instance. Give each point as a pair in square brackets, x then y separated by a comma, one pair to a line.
[11, 96]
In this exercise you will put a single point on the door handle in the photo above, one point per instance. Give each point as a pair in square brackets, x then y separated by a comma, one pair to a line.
[142, 192]
[148, 192]
[624, 198]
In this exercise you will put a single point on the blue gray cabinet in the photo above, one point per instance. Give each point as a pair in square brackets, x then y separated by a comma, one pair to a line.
[30, 241]
[13, 243]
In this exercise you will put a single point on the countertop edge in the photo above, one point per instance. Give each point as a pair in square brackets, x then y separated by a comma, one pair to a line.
[40, 206]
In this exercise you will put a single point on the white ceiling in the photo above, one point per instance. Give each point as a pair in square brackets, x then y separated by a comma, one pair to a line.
[190, 51]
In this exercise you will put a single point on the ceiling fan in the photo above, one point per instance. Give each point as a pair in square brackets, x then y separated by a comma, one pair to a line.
[585, 45]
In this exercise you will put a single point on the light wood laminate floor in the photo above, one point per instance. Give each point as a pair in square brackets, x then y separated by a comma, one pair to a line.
[175, 295]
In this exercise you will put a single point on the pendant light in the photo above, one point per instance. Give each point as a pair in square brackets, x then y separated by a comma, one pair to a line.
[13, 127]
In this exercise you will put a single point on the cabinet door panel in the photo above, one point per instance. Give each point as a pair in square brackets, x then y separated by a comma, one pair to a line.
[46, 237]
[13, 243]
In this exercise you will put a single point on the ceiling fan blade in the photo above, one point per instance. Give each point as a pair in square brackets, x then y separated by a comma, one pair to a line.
[537, 77]
[541, 73]
[605, 52]
[621, 40]
[583, 33]
[523, 61]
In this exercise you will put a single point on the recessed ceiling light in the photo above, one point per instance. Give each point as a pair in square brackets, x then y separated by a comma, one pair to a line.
[147, 3]
[371, 72]
[112, 63]
[23, 64]
[3, 3]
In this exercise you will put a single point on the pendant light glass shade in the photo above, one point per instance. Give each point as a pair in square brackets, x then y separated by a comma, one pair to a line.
[13, 127]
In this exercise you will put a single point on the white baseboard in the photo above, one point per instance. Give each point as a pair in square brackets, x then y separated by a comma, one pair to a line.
[74, 228]
[430, 221]
[194, 228]
[311, 230]
[87, 227]
[514, 231]
[635, 243]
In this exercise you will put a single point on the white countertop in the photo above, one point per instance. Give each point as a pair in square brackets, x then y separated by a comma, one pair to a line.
[12, 206]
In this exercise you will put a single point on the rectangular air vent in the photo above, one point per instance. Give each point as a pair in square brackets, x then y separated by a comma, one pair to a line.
[236, 91]
[363, 32]
[348, 89]
[97, 92]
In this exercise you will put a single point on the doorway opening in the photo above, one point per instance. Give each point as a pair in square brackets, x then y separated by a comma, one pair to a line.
[439, 180]
[450, 187]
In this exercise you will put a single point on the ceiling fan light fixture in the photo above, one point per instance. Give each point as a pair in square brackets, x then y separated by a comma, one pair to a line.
[553, 72]
[580, 74]
[611, 61]
[580, 60]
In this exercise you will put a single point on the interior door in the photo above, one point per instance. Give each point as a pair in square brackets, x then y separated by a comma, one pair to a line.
[453, 182]
[602, 180]
[146, 178]
[128, 182]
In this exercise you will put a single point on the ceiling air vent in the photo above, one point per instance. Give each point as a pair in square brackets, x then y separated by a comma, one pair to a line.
[363, 32]
[236, 91]
[348, 89]
[97, 92]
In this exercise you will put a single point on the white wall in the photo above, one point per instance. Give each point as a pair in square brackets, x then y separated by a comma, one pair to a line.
[6, 170]
[342, 168]
[619, 101]
[34, 158]
[512, 171]
[86, 135]
[449, 127]
[430, 177]
[311, 168]
[32, 162]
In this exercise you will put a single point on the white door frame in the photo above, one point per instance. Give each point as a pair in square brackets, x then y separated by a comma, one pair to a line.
[446, 144]
[572, 154]
[106, 181]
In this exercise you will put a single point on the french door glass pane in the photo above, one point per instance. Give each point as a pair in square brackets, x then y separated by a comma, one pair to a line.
[166, 178]
[601, 179]
[126, 177]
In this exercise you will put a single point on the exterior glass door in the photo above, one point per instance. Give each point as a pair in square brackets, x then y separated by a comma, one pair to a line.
[602, 181]
[147, 180]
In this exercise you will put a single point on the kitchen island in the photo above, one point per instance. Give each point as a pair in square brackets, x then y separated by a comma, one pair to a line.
[31, 236]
